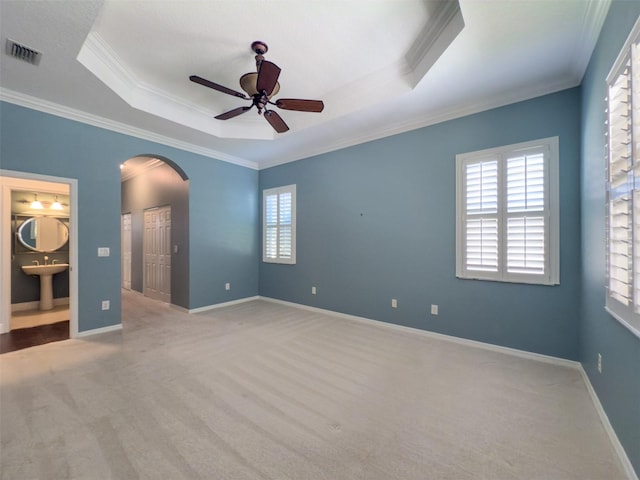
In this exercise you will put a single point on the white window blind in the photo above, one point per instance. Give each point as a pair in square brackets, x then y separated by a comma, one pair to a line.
[526, 219]
[279, 223]
[623, 184]
[481, 179]
[507, 226]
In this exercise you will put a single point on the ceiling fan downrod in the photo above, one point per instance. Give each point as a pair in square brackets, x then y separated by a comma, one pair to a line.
[260, 48]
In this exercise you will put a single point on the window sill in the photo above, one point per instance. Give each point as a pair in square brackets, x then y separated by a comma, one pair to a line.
[624, 323]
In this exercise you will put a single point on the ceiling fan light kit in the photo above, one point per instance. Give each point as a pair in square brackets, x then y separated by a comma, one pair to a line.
[260, 86]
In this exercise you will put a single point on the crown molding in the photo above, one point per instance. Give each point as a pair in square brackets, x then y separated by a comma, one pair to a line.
[97, 56]
[416, 123]
[438, 34]
[51, 108]
[592, 22]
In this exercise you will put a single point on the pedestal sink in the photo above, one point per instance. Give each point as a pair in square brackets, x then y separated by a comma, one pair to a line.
[46, 273]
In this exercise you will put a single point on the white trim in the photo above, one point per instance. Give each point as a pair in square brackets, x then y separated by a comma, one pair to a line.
[25, 306]
[448, 338]
[277, 192]
[98, 331]
[624, 52]
[592, 22]
[215, 306]
[14, 179]
[283, 157]
[619, 449]
[319, 148]
[550, 148]
[51, 108]
[617, 446]
[622, 321]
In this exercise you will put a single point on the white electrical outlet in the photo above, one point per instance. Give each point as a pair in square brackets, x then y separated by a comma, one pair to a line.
[394, 303]
[599, 363]
[106, 304]
[227, 286]
[175, 249]
[434, 309]
[103, 251]
[313, 290]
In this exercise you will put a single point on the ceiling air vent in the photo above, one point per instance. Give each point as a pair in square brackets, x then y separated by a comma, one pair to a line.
[23, 53]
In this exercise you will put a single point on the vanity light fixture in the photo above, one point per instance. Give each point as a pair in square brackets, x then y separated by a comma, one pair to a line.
[36, 205]
[56, 205]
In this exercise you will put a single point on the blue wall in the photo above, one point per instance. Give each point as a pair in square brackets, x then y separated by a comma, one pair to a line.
[377, 221]
[618, 387]
[223, 209]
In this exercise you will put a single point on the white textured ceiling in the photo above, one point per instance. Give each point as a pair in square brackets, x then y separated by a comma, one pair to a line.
[380, 66]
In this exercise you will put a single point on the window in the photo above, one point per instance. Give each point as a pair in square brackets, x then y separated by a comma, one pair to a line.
[623, 184]
[279, 225]
[507, 213]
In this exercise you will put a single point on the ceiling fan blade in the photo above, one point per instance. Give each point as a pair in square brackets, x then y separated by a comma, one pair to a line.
[215, 86]
[268, 74]
[300, 105]
[232, 113]
[276, 121]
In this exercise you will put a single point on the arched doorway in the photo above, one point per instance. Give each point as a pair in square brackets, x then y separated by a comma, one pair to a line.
[155, 229]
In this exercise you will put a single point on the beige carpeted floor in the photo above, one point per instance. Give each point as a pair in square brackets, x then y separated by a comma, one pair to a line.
[265, 391]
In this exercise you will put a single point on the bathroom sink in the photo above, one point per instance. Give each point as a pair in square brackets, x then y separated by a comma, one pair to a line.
[45, 269]
[46, 273]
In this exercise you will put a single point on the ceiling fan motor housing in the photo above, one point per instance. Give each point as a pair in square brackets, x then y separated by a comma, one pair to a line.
[248, 83]
[259, 47]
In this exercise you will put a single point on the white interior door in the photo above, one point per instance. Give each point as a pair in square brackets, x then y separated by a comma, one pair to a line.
[157, 253]
[126, 251]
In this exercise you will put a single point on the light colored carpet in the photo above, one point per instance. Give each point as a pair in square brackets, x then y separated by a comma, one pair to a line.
[265, 391]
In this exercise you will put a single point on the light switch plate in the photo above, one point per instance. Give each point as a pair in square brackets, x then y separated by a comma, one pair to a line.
[103, 251]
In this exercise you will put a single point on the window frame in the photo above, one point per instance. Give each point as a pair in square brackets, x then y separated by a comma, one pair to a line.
[551, 276]
[277, 191]
[627, 183]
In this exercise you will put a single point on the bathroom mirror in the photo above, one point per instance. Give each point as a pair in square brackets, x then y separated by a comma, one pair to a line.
[43, 234]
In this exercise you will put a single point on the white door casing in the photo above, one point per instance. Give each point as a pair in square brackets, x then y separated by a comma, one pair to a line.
[126, 251]
[13, 180]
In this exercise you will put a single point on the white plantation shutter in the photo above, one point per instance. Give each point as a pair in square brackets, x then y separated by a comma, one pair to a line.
[284, 221]
[623, 184]
[482, 244]
[526, 223]
[279, 218]
[507, 211]
[271, 226]
[481, 228]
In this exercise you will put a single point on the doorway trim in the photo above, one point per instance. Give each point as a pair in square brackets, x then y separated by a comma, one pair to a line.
[125, 241]
[13, 180]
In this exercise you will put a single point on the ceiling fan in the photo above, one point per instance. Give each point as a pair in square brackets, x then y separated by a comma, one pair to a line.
[260, 87]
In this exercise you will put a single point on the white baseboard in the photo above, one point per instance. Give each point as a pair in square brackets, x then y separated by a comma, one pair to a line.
[622, 454]
[21, 307]
[98, 331]
[215, 306]
[448, 338]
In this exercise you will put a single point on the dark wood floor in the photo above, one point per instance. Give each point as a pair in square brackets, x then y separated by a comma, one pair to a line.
[30, 337]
